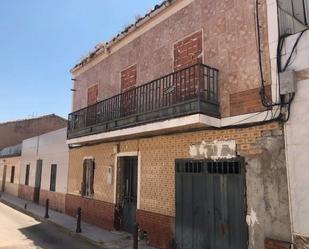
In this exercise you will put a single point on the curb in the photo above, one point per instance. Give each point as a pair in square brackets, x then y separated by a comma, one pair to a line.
[41, 219]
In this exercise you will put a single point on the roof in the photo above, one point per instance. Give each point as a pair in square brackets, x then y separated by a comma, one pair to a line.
[102, 48]
[33, 118]
[11, 151]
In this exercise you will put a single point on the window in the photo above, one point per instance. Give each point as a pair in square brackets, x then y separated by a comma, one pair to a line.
[53, 175]
[88, 177]
[27, 174]
[12, 174]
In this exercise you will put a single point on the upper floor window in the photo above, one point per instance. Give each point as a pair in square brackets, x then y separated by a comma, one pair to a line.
[92, 95]
[12, 174]
[88, 177]
[27, 174]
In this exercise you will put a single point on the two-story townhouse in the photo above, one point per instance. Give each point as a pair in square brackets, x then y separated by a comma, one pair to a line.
[176, 126]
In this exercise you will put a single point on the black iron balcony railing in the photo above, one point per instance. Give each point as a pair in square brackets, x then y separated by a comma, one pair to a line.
[187, 91]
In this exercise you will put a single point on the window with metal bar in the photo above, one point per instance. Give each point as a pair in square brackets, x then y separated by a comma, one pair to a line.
[53, 176]
[208, 166]
[88, 178]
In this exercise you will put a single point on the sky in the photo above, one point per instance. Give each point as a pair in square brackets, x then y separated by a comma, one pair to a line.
[41, 40]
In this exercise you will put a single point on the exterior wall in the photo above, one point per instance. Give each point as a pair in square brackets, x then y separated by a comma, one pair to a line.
[297, 143]
[229, 44]
[51, 148]
[15, 132]
[10, 188]
[267, 193]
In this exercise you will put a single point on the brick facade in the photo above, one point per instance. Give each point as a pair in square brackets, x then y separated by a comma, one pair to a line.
[94, 211]
[158, 228]
[228, 43]
[56, 200]
[25, 192]
[157, 182]
[248, 101]
[188, 51]
[128, 78]
[276, 244]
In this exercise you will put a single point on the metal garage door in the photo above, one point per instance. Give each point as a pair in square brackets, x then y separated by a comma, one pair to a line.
[210, 204]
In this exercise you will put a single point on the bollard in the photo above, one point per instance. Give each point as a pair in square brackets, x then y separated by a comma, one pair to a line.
[79, 216]
[135, 236]
[25, 207]
[46, 209]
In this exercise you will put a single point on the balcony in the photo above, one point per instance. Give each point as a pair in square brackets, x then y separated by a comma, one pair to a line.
[188, 91]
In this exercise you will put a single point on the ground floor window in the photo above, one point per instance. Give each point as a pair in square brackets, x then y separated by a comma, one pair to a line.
[88, 177]
[12, 174]
[53, 175]
[27, 174]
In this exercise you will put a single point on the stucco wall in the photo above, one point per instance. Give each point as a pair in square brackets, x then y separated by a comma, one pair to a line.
[11, 188]
[229, 44]
[263, 149]
[51, 148]
[297, 142]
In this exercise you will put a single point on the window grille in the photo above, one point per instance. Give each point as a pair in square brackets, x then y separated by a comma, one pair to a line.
[232, 166]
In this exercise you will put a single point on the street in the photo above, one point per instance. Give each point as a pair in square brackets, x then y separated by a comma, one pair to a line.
[19, 231]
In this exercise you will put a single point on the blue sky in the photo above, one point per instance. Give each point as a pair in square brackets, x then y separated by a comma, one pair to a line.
[41, 40]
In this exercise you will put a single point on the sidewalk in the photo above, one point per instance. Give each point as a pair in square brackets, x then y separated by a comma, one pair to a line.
[106, 239]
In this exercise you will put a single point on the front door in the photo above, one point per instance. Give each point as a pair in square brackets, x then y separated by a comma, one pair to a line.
[130, 193]
[210, 206]
[37, 184]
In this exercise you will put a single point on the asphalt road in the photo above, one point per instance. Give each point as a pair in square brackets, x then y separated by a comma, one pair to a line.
[19, 231]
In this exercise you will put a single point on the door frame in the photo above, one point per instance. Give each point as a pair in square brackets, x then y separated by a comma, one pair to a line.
[117, 164]
[38, 177]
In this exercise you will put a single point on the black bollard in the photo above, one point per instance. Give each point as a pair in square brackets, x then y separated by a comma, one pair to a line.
[46, 209]
[135, 236]
[25, 207]
[79, 216]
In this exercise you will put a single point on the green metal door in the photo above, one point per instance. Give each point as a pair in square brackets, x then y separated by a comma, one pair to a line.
[210, 204]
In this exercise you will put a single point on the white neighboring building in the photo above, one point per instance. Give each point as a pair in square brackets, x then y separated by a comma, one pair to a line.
[292, 21]
[44, 169]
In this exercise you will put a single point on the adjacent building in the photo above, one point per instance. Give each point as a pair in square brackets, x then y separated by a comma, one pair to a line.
[293, 36]
[178, 125]
[14, 132]
[9, 169]
[44, 169]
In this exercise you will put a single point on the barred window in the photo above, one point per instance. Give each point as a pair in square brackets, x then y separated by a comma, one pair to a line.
[88, 178]
[53, 176]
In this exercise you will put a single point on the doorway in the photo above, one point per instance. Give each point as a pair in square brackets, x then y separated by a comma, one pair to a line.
[210, 204]
[3, 178]
[127, 191]
[37, 184]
